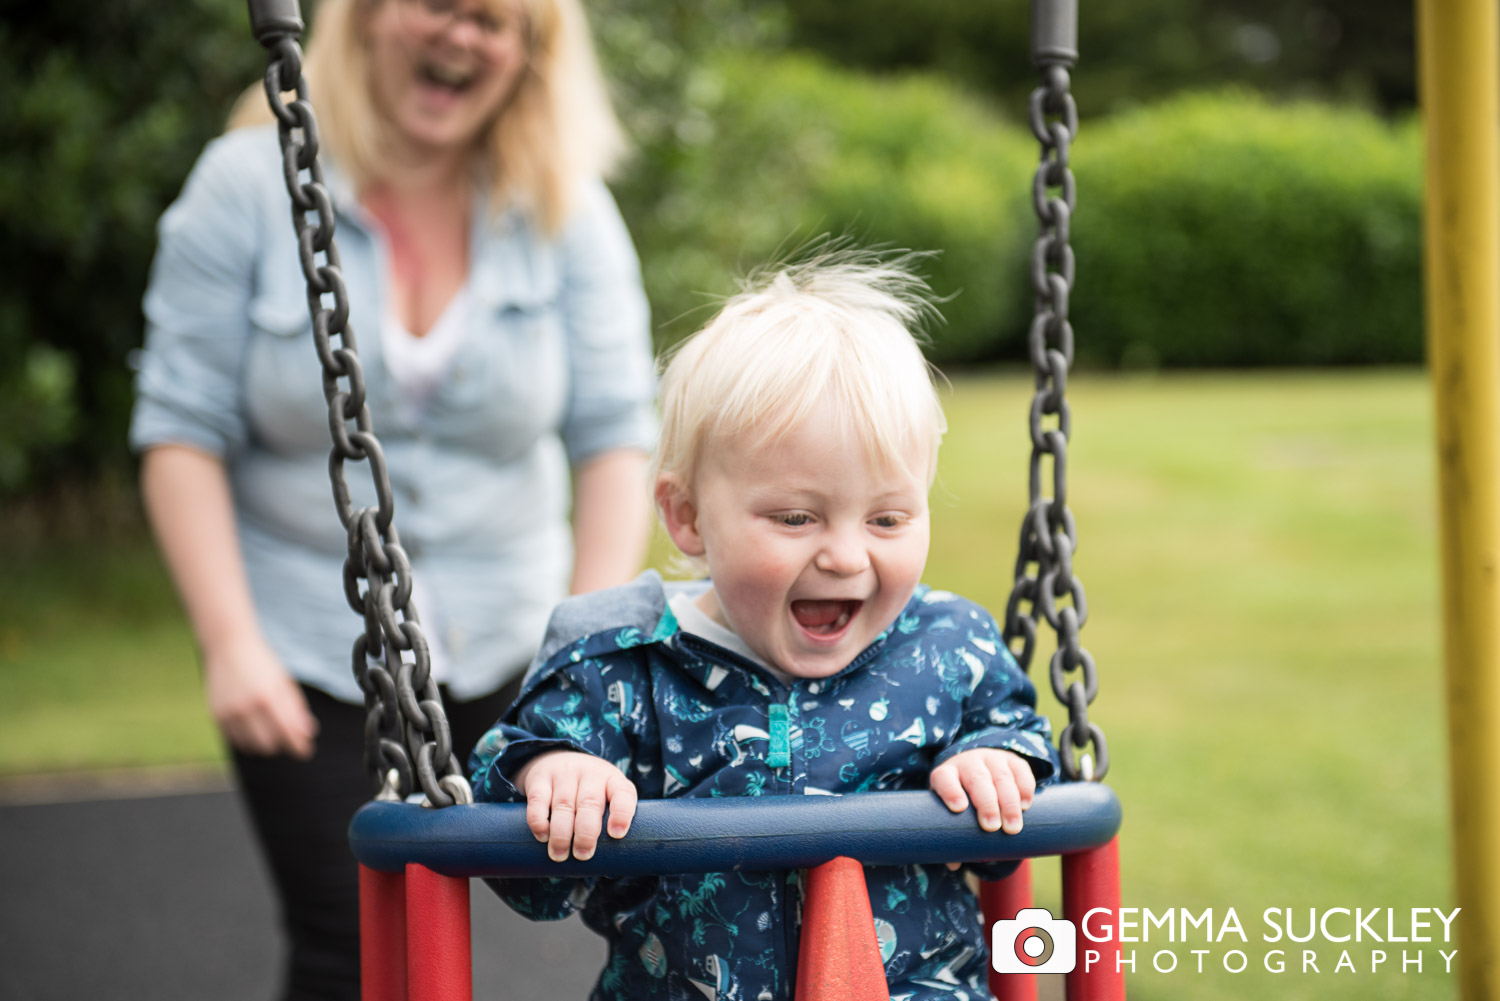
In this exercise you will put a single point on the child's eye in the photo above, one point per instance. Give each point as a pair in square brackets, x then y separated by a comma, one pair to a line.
[886, 520]
[794, 520]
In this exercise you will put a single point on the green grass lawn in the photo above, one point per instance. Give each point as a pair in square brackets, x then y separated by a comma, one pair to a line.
[1260, 558]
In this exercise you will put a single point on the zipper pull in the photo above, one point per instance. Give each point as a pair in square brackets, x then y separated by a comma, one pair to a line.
[780, 754]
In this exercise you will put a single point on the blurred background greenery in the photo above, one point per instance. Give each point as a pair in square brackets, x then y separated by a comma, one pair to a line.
[1259, 546]
[1273, 134]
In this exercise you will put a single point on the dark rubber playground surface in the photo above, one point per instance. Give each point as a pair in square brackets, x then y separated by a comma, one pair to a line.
[163, 898]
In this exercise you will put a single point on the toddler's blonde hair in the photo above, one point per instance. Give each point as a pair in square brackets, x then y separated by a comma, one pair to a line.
[840, 328]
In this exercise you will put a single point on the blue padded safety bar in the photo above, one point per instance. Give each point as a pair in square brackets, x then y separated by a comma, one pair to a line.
[720, 835]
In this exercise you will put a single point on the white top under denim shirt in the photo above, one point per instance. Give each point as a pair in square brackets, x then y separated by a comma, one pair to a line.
[555, 368]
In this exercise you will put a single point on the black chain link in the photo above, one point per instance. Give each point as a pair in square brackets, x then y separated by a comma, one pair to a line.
[407, 740]
[1049, 535]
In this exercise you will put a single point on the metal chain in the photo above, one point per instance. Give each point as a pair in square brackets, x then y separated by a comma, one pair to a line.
[1049, 535]
[406, 729]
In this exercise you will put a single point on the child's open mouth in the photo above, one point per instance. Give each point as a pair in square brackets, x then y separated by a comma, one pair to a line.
[825, 617]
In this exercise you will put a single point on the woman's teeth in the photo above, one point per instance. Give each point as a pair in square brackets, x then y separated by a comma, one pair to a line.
[448, 76]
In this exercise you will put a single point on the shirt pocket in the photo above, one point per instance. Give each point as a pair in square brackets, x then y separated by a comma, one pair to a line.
[283, 377]
[508, 385]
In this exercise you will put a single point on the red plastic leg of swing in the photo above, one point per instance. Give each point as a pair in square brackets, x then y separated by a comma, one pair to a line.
[1091, 880]
[382, 935]
[1001, 900]
[839, 957]
[438, 946]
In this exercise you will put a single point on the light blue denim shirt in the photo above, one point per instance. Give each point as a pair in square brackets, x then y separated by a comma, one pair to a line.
[556, 368]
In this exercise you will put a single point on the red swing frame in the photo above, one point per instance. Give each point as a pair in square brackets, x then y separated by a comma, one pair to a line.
[416, 865]
[415, 939]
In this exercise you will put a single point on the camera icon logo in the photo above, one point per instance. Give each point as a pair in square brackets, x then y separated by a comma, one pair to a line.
[1034, 942]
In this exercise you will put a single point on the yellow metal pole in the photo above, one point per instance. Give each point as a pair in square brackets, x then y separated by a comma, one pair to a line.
[1459, 59]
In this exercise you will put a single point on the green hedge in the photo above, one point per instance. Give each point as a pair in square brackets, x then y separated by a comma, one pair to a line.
[1224, 230]
[799, 149]
[1212, 230]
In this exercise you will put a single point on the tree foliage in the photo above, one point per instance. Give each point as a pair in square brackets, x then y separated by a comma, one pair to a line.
[1134, 50]
[106, 107]
[800, 149]
[737, 157]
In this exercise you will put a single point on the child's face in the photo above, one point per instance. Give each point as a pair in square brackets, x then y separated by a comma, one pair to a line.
[812, 549]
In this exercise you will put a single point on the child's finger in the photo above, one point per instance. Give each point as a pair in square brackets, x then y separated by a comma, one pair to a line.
[589, 818]
[622, 798]
[1025, 778]
[1007, 792]
[944, 781]
[980, 784]
[564, 806]
[538, 804]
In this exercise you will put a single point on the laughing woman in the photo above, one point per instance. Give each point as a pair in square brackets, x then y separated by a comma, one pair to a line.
[503, 332]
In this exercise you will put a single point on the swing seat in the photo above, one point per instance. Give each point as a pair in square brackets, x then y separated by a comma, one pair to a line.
[742, 833]
[415, 866]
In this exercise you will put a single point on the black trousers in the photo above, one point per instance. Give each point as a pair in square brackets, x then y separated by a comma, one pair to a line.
[301, 812]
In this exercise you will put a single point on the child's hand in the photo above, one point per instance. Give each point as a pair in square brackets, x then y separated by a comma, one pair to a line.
[566, 793]
[999, 784]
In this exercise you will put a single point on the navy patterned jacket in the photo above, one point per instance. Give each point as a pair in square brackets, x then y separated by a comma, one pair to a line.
[683, 717]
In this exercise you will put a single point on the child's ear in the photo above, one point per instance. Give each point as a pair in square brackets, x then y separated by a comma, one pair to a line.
[680, 515]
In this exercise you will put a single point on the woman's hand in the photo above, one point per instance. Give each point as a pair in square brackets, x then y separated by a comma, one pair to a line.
[255, 702]
[566, 793]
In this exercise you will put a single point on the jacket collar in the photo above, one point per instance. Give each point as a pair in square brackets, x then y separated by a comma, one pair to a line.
[706, 662]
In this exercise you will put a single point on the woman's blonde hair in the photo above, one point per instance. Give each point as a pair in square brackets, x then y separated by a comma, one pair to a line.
[839, 329]
[556, 128]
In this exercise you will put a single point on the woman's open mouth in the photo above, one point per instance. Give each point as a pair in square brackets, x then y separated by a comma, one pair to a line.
[449, 78]
[825, 618]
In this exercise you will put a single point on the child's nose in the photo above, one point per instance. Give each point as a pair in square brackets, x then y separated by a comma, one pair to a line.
[842, 553]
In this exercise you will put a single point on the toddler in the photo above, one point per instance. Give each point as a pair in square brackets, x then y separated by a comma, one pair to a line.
[799, 441]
